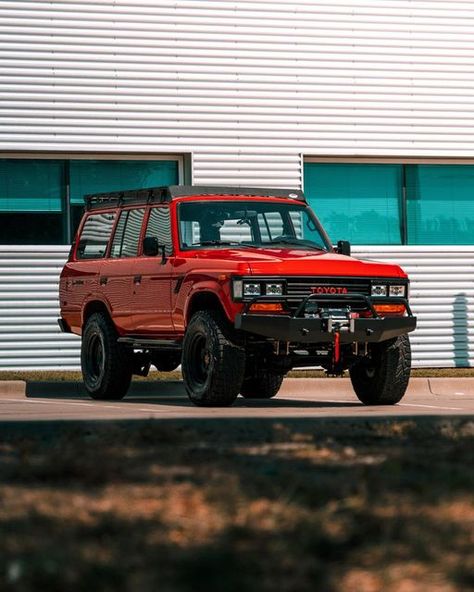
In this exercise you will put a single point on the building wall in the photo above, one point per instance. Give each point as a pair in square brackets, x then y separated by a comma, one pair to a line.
[247, 88]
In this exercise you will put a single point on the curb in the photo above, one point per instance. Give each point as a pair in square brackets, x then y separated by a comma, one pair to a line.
[10, 388]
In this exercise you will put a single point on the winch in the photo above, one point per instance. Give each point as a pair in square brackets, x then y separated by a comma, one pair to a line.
[335, 321]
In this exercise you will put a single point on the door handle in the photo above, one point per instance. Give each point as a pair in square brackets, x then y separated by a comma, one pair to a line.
[77, 282]
[137, 279]
[103, 280]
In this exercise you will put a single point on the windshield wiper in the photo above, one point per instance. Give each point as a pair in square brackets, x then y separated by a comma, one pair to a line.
[297, 243]
[210, 243]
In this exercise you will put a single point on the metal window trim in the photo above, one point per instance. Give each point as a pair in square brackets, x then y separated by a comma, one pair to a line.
[327, 159]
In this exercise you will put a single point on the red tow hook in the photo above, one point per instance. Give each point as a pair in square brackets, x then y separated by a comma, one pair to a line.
[337, 347]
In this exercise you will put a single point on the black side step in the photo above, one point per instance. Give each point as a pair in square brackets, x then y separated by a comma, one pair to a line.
[143, 343]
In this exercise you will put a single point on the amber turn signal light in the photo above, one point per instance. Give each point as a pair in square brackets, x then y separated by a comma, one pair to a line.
[267, 307]
[395, 310]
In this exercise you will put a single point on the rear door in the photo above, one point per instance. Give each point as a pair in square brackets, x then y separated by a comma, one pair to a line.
[116, 274]
[153, 279]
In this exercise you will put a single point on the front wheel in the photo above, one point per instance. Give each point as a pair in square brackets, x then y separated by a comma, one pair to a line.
[383, 379]
[213, 365]
[106, 366]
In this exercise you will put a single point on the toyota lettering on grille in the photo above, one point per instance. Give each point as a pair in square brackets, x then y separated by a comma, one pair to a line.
[328, 290]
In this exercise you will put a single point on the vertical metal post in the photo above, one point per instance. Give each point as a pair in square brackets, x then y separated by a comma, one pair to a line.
[403, 216]
[67, 203]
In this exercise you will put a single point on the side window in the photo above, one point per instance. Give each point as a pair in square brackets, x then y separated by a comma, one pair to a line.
[159, 226]
[95, 236]
[127, 233]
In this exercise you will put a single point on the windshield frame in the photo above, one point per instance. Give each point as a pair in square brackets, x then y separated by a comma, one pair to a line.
[328, 247]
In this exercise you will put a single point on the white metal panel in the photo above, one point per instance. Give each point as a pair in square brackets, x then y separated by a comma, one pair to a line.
[29, 308]
[30, 337]
[239, 83]
[442, 296]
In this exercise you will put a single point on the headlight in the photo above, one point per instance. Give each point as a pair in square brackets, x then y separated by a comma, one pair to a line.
[252, 289]
[397, 291]
[378, 290]
[274, 289]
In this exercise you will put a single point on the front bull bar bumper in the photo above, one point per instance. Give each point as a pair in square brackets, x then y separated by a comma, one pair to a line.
[311, 329]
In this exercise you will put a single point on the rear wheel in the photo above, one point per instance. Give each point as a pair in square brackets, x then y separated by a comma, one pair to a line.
[213, 365]
[261, 385]
[383, 379]
[106, 366]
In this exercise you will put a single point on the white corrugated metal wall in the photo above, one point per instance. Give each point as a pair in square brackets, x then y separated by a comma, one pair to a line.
[247, 88]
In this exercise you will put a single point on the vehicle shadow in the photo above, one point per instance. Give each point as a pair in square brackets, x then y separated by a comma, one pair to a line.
[170, 393]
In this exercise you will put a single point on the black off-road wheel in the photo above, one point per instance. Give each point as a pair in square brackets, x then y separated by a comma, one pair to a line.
[106, 365]
[383, 379]
[213, 364]
[166, 361]
[261, 385]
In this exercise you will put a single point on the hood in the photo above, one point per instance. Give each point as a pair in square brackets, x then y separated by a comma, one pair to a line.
[300, 262]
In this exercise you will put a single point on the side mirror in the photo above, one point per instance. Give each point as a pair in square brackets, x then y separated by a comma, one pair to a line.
[151, 248]
[344, 247]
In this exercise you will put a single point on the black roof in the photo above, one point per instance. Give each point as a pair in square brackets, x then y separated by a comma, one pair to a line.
[168, 192]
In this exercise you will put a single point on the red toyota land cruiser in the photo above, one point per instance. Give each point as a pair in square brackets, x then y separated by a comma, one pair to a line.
[239, 286]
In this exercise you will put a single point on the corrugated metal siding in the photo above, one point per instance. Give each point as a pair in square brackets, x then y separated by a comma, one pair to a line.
[442, 295]
[246, 86]
[29, 307]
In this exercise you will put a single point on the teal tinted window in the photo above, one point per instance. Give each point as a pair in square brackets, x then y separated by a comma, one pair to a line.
[31, 185]
[440, 204]
[357, 202]
[95, 176]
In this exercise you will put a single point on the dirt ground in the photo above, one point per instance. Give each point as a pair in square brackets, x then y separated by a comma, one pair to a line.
[238, 505]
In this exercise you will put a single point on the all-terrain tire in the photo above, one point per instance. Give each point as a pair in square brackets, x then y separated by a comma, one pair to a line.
[213, 365]
[261, 385]
[166, 361]
[383, 380]
[106, 365]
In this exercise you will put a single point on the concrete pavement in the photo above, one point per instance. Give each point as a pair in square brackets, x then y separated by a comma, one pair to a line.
[298, 398]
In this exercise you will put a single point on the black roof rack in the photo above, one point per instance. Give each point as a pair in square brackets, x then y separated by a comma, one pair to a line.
[168, 192]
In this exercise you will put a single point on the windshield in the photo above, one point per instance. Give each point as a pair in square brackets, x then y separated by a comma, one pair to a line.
[249, 224]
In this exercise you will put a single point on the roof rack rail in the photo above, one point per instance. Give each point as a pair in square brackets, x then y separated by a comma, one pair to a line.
[167, 192]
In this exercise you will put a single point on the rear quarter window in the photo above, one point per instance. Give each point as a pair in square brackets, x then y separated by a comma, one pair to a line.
[95, 236]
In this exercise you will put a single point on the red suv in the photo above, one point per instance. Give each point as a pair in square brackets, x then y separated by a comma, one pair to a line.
[239, 286]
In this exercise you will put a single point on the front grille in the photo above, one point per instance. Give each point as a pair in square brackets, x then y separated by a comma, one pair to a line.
[299, 288]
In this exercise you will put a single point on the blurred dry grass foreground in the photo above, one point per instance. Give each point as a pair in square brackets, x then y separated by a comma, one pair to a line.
[238, 506]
